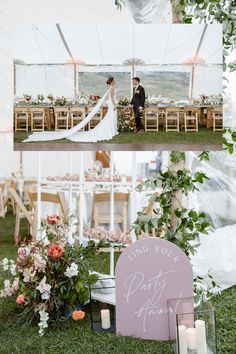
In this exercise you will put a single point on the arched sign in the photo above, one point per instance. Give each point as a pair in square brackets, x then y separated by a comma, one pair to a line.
[148, 273]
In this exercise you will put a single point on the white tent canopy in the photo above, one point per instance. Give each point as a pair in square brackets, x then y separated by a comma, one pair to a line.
[115, 43]
[104, 48]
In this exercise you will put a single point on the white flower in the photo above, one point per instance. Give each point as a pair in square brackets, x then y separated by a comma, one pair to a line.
[72, 270]
[44, 289]
[28, 274]
[39, 263]
[5, 264]
[8, 288]
[43, 321]
[13, 268]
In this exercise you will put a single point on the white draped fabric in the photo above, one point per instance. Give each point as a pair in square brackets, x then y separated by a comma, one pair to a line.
[217, 255]
[152, 11]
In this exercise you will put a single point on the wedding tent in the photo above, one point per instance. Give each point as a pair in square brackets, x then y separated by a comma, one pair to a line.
[42, 67]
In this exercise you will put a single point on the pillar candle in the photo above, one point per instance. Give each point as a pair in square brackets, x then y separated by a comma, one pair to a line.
[201, 337]
[182, 339]
[105, 319]
[191, 338]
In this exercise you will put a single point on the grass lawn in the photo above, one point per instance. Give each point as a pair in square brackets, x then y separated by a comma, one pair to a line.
[204, 136]
[76, 337]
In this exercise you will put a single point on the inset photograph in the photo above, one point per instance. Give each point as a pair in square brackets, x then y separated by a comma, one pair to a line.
[118, 87]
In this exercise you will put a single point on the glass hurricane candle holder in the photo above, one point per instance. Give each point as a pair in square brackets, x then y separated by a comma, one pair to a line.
[102, 305]
[192, 330]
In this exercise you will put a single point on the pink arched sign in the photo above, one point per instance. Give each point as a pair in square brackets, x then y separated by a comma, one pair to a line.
[148, 273]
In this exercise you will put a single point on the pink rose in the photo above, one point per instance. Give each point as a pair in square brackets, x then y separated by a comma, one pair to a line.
[23, 252]
[20, 300]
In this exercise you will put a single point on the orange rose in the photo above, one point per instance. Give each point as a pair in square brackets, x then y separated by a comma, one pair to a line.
[78, 315]
[52, 220]
[55, 251]
[20, 300]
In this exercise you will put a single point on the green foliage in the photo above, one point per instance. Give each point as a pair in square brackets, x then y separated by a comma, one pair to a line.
[230, 144]
[169, 219]
[214, 11]
[177, 156]
[204, 156]
[119, 4]
[188, 225]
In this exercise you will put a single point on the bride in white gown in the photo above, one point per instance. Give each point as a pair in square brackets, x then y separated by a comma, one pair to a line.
[105, 130]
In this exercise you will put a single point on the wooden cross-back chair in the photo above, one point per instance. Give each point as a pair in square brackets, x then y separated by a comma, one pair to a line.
[29, 184]
[37, 119]
[61, 118]
[172, 119]
[10, 200]
[104, 217]
[96, 119]
[55, 198]
[77, 115]
[21, 119]
[21, 213]
[191, 119]
[217, 119]
[151, 123]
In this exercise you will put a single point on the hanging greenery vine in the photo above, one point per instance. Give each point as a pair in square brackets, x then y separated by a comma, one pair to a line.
[167, 217]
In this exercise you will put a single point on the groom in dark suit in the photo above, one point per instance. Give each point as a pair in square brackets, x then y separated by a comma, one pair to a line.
[138, 102]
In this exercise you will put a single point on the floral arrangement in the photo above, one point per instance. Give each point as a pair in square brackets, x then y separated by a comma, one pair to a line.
[60, 101]
[125, 124]
[50, 278]
[94, 98]
[124, 101]
[27, 98]
[50, 98]
[211, 100]
[91, 176]
[106, 235]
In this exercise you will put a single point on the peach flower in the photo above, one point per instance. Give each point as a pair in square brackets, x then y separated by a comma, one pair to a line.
[53, 219]
[20, 300]
[55, 251]
[78, 315]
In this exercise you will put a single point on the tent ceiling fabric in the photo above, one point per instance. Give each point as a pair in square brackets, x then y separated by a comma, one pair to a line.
[115, 43]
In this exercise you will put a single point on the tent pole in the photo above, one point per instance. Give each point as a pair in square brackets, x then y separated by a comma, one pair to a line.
[14, 78]
[112, 212]
[75, 79]
[81, 199]
[21, 170]
[134, 194]
[39, 205]
[70, 237]
[192, 81]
